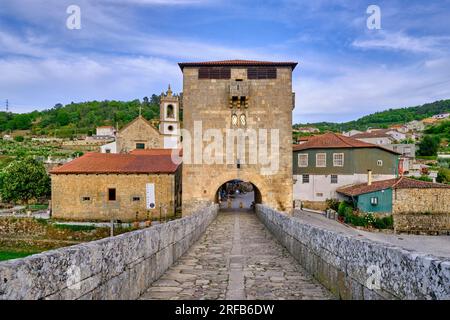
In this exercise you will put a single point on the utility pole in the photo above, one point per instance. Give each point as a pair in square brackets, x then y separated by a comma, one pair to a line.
[7, 105]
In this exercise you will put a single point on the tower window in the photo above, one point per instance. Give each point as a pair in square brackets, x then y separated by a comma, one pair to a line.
[262, 73]
[170, 128]
[214, 73]
[243, 120]
[234, 119]
[170, 112]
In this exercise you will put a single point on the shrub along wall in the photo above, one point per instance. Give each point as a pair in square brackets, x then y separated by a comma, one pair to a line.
[344, 263]
[121, 267]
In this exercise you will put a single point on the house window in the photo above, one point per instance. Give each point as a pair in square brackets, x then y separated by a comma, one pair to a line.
[334, 178]
[321, 160]
[140, 145]
[319, 194]
[338, 159]
[136, 198]
[112, 194]
[262, 73]
[374, 201]
[108, 150]
[305, 178]
[302, 159]
[380, 163]
[86, 198]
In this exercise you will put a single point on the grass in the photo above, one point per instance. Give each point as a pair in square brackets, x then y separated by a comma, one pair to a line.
[8, 255]
[37, 207]
[74, 227]
[427, 157]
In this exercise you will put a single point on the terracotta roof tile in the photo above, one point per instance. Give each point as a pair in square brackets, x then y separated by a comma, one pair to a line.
[237, 63]
[373, 134]
[96, 163]
[397, 183]
[334, 140]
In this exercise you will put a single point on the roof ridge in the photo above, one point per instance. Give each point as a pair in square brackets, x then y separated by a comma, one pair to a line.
[340, 137]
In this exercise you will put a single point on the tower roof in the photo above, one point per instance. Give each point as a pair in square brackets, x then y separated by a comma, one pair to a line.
[237, 63]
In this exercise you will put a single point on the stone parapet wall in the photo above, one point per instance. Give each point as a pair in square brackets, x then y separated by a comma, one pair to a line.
[343, 263]
[121, 267]
[422, 210]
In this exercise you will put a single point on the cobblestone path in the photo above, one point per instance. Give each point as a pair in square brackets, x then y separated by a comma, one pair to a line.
[236, 258]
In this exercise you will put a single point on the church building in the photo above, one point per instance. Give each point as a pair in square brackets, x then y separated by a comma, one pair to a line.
[141, 134]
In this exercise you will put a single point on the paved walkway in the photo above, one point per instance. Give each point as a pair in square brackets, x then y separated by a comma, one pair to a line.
[436, 245]
[236, 258]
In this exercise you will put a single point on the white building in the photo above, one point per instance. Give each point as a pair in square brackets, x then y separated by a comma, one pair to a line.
[106, 131]
[109, 147]
[351, 133]
[441, 116]
[415, 126]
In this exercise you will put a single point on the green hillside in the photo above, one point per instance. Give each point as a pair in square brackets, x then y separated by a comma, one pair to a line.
[383, 119]
[79, 118]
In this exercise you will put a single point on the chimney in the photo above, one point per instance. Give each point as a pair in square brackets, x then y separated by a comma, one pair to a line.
[369, 177]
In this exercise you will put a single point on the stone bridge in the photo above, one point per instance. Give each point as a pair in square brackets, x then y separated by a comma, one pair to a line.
[233, 254]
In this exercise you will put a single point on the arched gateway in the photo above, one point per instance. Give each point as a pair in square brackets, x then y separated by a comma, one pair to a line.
[238, 194]
[237, 122]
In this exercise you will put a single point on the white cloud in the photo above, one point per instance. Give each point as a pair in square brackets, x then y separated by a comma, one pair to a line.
[399, 41]
[362, 90]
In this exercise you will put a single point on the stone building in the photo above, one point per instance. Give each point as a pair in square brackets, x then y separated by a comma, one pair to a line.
[141, 134]
[417, 206]
[127, 187]
[237, 94]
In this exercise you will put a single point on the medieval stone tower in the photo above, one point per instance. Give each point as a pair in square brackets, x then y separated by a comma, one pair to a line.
[253, 96]
[169, 125]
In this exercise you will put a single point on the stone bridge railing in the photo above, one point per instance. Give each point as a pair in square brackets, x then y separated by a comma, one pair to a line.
[350, 267]
[121, 267]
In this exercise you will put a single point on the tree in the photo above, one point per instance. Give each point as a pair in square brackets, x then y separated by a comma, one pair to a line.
[443, 175]
[428, 146]
[24, 180]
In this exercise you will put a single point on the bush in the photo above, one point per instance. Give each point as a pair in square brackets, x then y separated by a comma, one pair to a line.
[343, 205]
[332, 204]
[19, 138]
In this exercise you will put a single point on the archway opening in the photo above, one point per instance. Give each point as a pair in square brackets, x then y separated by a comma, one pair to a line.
[238, 195]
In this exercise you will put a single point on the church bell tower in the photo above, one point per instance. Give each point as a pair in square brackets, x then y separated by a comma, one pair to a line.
[169, 125]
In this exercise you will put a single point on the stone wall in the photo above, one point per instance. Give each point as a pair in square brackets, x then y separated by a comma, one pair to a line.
[343, 263]
[421, 210]
[68, 191]
[122, 267]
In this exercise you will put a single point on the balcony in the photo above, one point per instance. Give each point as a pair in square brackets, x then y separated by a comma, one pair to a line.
[239, 89]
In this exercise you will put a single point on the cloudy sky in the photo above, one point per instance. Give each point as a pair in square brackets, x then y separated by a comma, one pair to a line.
[129, 49]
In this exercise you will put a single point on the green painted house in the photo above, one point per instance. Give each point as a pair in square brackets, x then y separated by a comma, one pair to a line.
[323, 163]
